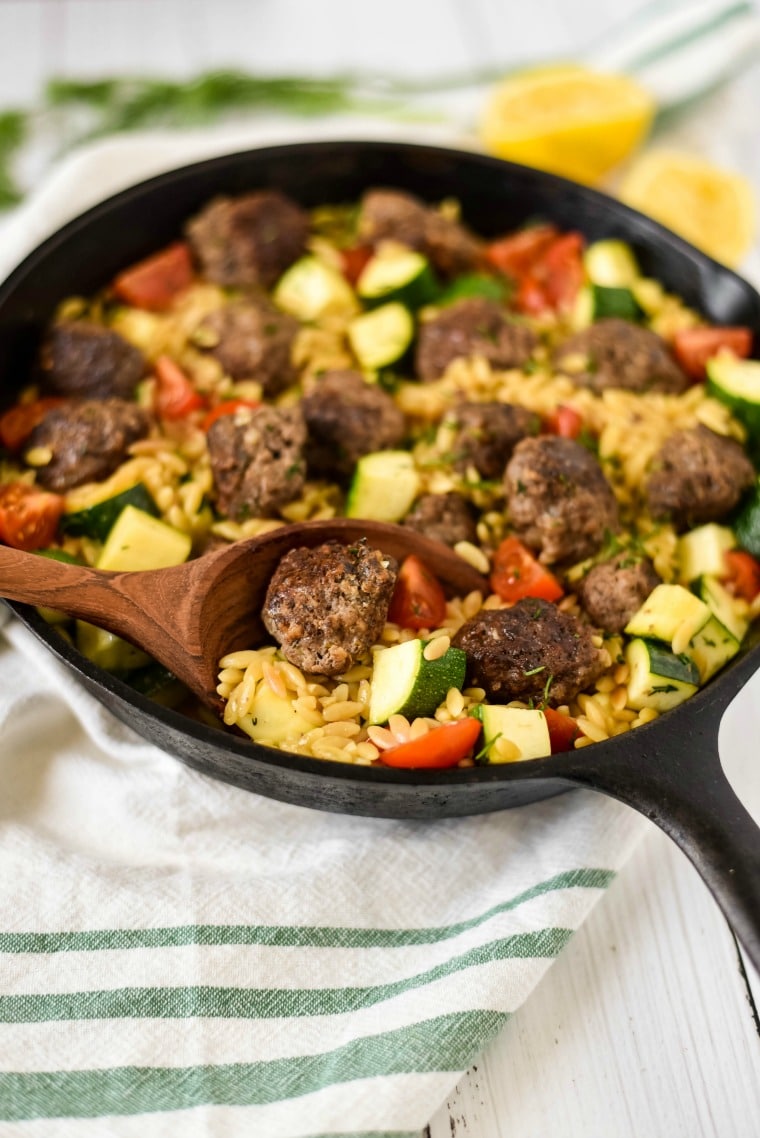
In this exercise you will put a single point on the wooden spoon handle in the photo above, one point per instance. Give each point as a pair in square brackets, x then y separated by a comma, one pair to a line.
[76, 590]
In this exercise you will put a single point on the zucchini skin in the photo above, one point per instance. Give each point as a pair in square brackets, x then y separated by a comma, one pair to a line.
[98, 520]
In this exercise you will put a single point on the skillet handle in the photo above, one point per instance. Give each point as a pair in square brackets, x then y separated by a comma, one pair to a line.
[676, 780]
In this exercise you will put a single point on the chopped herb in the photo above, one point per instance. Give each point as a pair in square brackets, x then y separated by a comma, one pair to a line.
[521, 487]
[545, 697]
[663, 688]
[482, 755]
[535, 671]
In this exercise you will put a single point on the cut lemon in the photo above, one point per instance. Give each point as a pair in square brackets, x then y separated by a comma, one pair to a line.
[566, 119]
[712, 208]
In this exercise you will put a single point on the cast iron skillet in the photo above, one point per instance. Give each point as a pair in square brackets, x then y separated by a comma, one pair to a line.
[669, 770]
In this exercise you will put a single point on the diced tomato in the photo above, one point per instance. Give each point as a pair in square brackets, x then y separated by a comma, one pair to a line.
[442, 747]
[28, 516]
[693, 347]
[742, 576]
[228, 407]
[175, 395]
[516, 573]
[353, 261]
[155, 282]
[564, 421]
[418, 599]
[17, 424]
[553, 281]
[563, 730]
[516, 254]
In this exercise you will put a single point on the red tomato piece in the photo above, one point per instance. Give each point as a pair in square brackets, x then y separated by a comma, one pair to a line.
[418, 599]
[516, 573]
[155, 282]
[562, 271]
[564, 421]
[742, 576]
[442, 747]
[17, 424]
[28, 516]
[693, 347]
[228, 407]
[563, 730]
[516, 254]
[353, 261]
[175, 395]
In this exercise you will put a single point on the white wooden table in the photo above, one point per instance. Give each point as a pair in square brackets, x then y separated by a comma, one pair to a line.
[646, 1025]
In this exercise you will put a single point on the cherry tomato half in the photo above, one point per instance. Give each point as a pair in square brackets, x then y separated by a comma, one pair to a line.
[418, 599]
[516, 573]
[442, 747]
[155, 282]
[28, 516]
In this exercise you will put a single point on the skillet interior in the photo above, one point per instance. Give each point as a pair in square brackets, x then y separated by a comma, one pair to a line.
[495, 197]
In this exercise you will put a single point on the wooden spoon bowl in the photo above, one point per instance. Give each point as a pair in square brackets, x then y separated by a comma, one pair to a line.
[188, 616]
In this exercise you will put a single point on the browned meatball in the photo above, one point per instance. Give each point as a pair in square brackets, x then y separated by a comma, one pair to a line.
[346, 418]
[84, 359]
[390, 215]
[252, 340]
[616, 353]
[446, 517]
[528, 652]
[326, 606]
[471, 327]
[697, 476]
[257, 460]
[248, 240]
[559, 501]
[88, 441]
[487, 434]
[613, 591]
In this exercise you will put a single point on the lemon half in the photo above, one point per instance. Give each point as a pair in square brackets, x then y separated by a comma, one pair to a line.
[566, 119]
[711, 207]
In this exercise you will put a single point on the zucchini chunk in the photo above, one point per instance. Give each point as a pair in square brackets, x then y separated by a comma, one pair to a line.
[474, 284]
[381, 337]
[611, 263]
[669, 609]
[702, 550]
[658, 678]
[405, 683]
[396, 272]
[384, 486]
[736, 383]
[96, 520]
[108, 650]
[310, 289]
[140, 541]
[594, 302]
[747, 523]
[525, 727]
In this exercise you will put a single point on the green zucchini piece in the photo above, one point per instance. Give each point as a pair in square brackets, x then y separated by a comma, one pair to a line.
[384, 486]
[611, 263]
[722, 605]
[381, 337]
[712, 647]
[310, 289]
[668, 609]
[97, 520]
[139, 541]
[658, 678]
[397, 273]
[747, 523]
[702, 550]
[736, 383]
[525, 727]
[405, 683]
[157, 683]
[620, 302]
[273, 720]
[108, 650]
[474, 284]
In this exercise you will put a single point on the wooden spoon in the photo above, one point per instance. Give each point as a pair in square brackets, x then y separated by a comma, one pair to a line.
[188, 616]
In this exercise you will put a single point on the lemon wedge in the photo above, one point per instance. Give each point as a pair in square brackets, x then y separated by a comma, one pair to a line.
[711, 207]
[567, 119]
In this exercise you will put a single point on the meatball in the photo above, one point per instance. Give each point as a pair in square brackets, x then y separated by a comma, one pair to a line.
[257, 460]
[697, 476]
[326, 606]
[248, 240]
[87, 441]
[446, 517]
[558, 499]
[87, 360]
[486, 435]
[471, 327]
[531, 651]
[347, 417]
[616, 353]
[389, 215]
[614, 590]
[252, 340]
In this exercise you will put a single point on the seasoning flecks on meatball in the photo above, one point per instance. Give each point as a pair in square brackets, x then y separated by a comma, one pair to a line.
[87, 441]
[346, 417]
[248, 240]
[697, 476]
[445, 517]
[391, 215]
[558, 499]
[486, 434]
[531, 652]
[257, 460]
[615, 353]
[84, 359]
[474, 326]
[326, 606]
[614, 590]
[252, 340]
